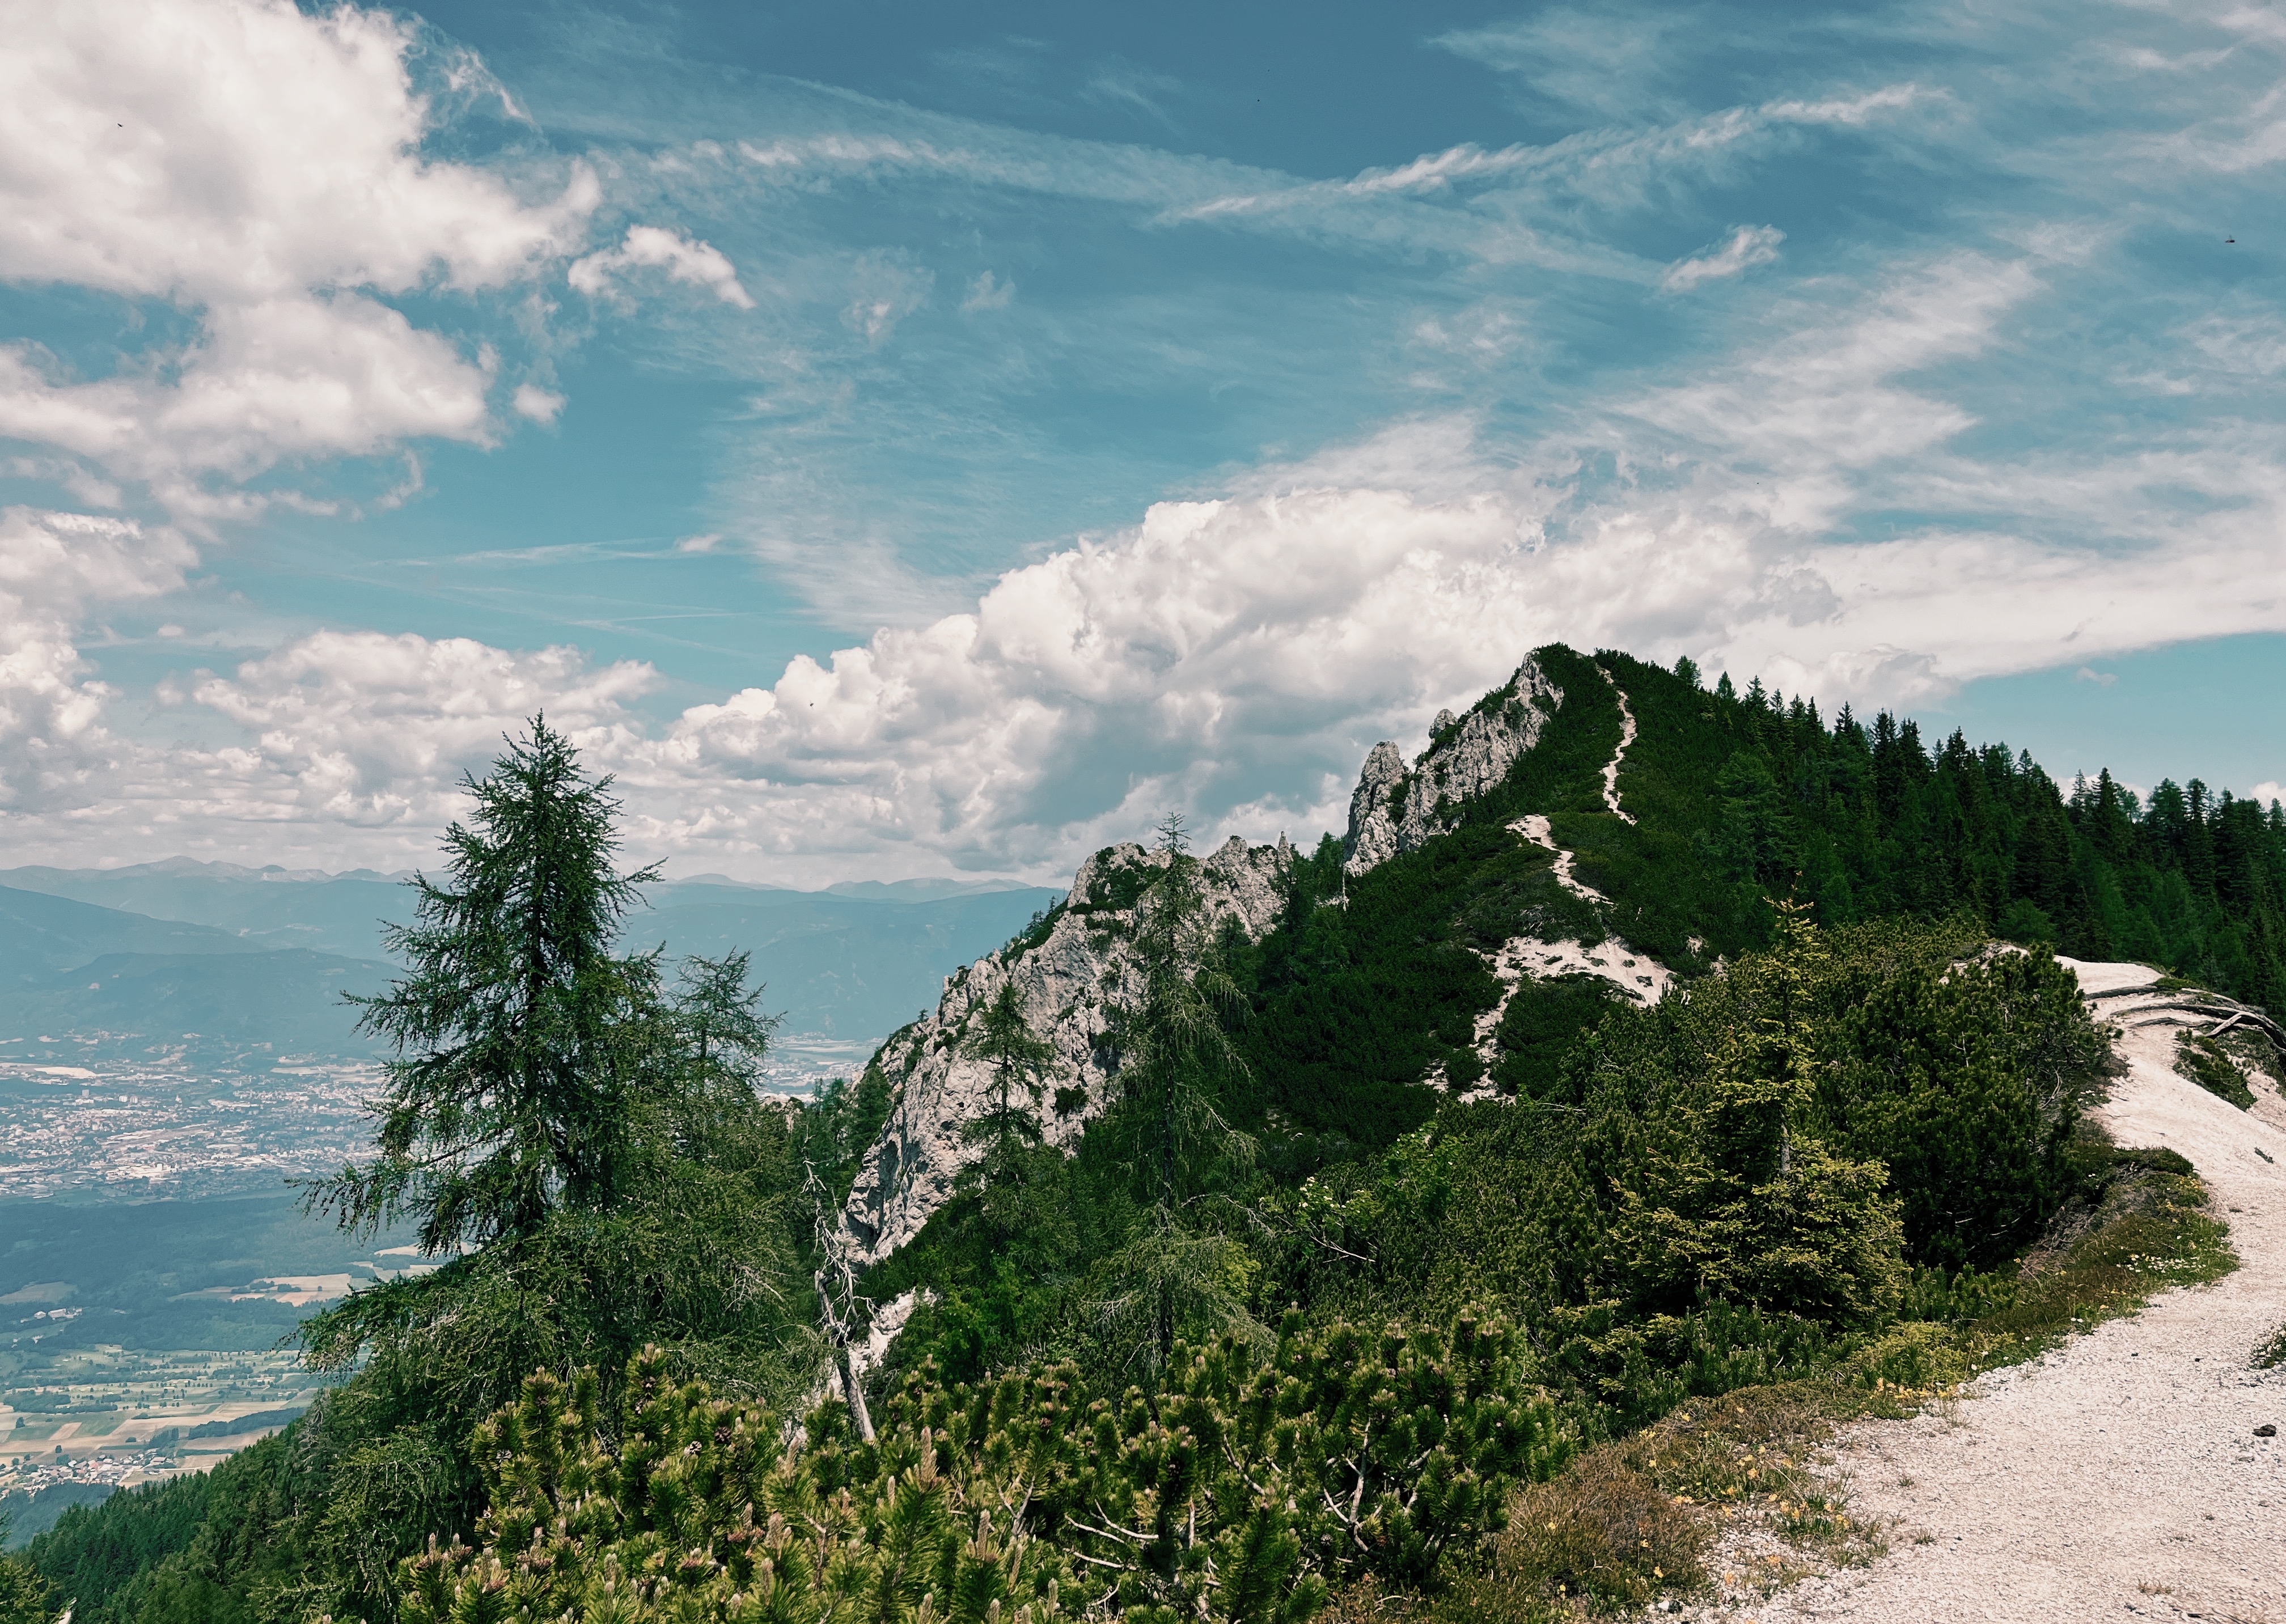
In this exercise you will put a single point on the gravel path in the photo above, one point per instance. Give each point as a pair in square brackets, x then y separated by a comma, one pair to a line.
[2119, 1477]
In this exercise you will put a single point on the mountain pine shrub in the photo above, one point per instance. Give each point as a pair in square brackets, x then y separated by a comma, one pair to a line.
[2205, 1062]
[1250, 1483]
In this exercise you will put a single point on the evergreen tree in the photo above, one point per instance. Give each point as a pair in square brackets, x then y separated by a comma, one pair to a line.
[1020, 1059]
[1174, 1057]
[1722, 1194]
[24, 1595]
[583, 1142]
[518, 1036]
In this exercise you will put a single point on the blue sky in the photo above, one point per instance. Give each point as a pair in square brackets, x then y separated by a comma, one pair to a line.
[900, 439]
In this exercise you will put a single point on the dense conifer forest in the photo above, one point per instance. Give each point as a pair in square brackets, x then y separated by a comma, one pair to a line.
[1291, 1326]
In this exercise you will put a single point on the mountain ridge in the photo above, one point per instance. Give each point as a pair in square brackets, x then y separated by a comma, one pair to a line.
[1596, 830]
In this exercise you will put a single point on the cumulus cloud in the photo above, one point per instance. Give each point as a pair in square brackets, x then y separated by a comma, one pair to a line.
[369, 730]
[683, 258]
[238, 151]
[1747, 247]
[54, 568]
[337, 742]
[338, 375]
[261, 169]
[540, 405]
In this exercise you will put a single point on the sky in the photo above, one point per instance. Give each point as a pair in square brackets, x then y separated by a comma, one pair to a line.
[908, 439]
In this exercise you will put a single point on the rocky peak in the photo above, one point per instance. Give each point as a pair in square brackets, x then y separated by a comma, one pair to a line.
[1071, 973]
[1396, 808]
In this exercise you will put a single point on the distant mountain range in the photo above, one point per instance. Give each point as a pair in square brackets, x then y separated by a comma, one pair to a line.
[153, 952]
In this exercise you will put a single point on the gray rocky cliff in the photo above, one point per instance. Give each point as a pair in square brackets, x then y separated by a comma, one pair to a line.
[1397, 807]
[1070, 979]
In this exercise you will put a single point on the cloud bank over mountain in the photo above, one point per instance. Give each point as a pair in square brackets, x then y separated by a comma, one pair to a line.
[2021, 416]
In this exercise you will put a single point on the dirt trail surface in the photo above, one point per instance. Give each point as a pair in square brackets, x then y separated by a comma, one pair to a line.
[2119, 1477]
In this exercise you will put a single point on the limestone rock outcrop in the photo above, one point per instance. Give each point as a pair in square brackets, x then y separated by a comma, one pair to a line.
[1071, 973]
[1397, 807]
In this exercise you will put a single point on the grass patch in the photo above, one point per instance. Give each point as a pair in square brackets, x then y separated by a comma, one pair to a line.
[1633, 1519]
[2270, 1352]
[2148, 1231]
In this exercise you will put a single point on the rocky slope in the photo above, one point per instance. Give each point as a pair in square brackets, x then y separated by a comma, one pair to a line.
[1071, 973]
[1396, 808]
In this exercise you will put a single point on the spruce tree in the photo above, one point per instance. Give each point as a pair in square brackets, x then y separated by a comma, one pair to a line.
[1725, 1196]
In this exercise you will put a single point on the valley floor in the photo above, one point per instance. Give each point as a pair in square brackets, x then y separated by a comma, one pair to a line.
[2120, 1475]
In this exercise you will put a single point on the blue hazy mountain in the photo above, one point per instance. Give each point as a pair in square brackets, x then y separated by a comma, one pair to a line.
[43, 936]
[142, 950]
[268, 908]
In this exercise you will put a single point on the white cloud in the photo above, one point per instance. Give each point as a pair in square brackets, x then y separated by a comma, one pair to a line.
[884, 290]
[683, 258]
[1135, 88]
[242, 150]
[1417, 205]
[1610, 167]
[368, 730]
[1747, 247]
[54, 569]
[260, 168]
[337, 375]
[540, 405]
[339, 742]
[2268, 794]
[2089, 673]
[1608, 65]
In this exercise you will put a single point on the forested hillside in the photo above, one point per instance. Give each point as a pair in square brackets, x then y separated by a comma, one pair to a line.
[1597, 1093]
[1735, 799]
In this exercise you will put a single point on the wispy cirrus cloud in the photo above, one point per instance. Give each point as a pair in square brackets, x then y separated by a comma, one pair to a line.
[1745, 247]
[1608, 164]
[1467, 199]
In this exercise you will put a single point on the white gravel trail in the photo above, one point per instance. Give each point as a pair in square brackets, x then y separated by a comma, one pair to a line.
[2120, 1477]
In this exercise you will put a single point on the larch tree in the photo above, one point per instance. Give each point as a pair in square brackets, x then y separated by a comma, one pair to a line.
[516, 1031]
[1019, 1058]
[1175, 1054]
[582, 1144]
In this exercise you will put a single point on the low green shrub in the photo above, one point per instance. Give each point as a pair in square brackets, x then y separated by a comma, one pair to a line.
[2202, 1061]
[2149, 1230]
[1252, 1482]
